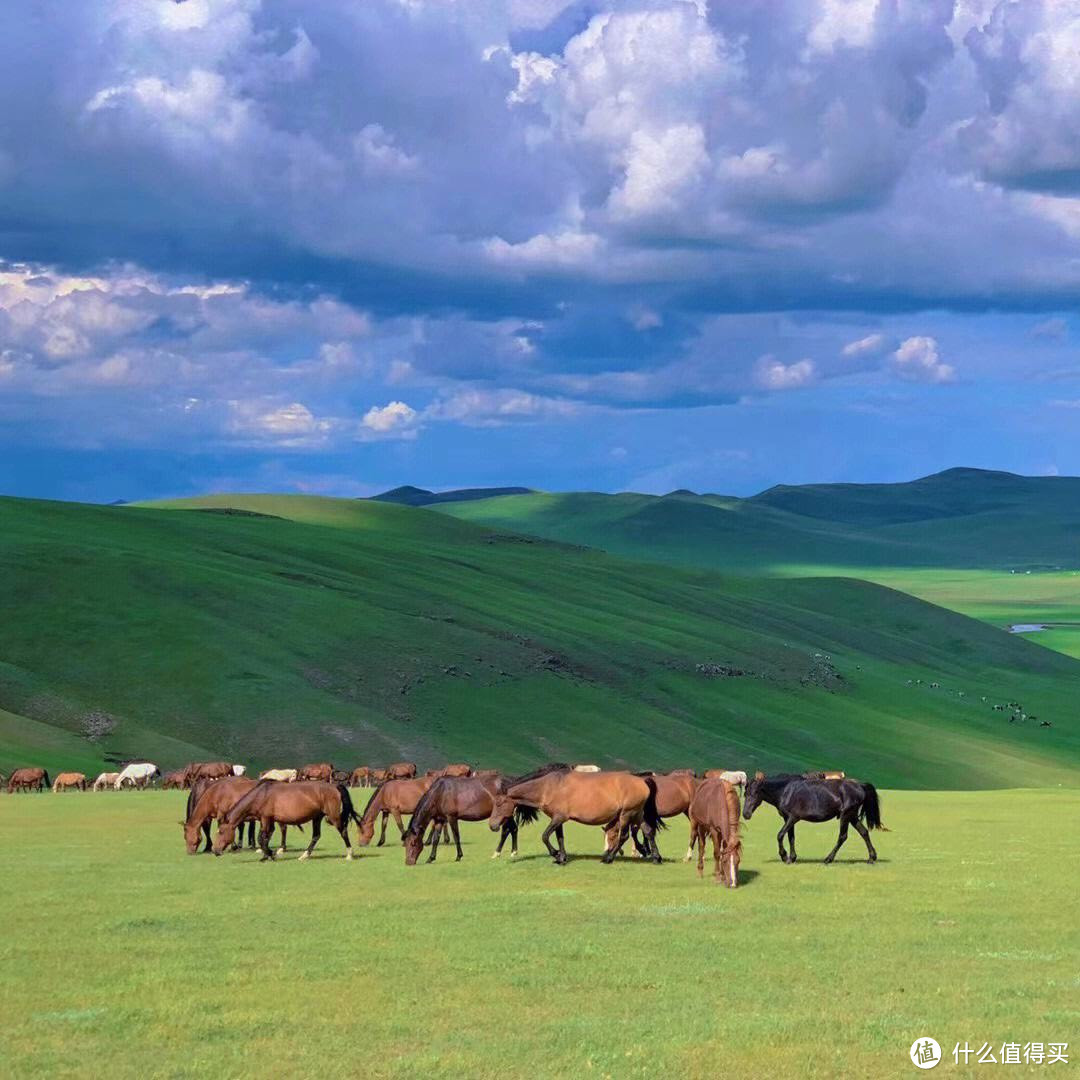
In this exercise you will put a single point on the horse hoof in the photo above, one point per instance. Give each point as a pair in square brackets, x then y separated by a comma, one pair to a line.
[348, 856]
[303, 856]
[496, 855]
[513, 854]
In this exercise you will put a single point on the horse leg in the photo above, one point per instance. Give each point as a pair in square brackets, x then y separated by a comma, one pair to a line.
[839, 840]
[457, 837]
[697, 836]
[316, 829]
[717, 850]
[650, 839]
[690, 845]
[208, 846]
[343, 829]
[382, 835]
[545, 836]
[791, 842]
[640, 846]
[399, 823]
[561, 860]
[512, 826]
[789, 823]
[436, 836]
[266, 827]
[861, 829]
[612, 853]
[284, 834]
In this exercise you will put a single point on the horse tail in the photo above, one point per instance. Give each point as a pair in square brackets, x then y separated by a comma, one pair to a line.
[871, 808]
[525, 815]
[348, 813]
[48, 783]
[652, 815]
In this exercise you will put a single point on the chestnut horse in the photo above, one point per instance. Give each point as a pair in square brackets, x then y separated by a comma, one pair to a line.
[714, 812]
[32, 779]
[270, 802]
[65, 781]
[450, 770]
[206, 770]
[403, 770]
[614, 800]
[394, 797]
[360, 776]
[173, 780]
[674, 792]
[451, 799]
[323, 772]
[209, 801]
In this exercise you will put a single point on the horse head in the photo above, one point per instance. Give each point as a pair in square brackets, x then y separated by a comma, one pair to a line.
[755, 790]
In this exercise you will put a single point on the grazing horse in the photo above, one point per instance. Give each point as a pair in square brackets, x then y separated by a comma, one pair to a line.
[173, 781]
[206, 770]
[138, 774]
[31, 779]
[323, 772]
[714, 812]
[394, 797]
[269, 802]
[360, 776]
[457, 771]
[451, 799]
[209, 801]
[614, 800]
[105, 780]
[799, 799]
[401, 770]
[284, 776]
[65, 781]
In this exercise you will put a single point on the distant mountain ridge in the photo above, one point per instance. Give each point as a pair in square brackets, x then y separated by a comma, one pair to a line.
[407, 495]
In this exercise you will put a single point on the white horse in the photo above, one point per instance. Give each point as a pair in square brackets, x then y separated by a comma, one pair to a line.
[105, 780]
[732, 777]
[137, 774]
[586, 768]
[278, 774]
[239, 770]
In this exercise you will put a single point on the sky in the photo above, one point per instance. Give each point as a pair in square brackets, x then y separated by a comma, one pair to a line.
[269, 245]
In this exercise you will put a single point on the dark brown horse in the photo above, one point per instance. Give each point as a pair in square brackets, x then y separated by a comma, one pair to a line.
[210, 801]
[323, 772]
[714, 813]
[270, 802]
[613, 800]
[206, 770]
[31, 779]
[173, 780]
[391, 799]
[452, 799]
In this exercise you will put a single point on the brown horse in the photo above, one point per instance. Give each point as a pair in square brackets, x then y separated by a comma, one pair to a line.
[674, 793]
[360, 776]
[206, 770]
[173, 780]
[210, 801]
[613, 800]
[450, 770]
[392, 798]
[270, 802]
[323, 772]
[451, 799]
[403, 770]
[714, 813]
[65, 781]
[31, 779]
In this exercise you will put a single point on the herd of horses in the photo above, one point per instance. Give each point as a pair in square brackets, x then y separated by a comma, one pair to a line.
[629, 807]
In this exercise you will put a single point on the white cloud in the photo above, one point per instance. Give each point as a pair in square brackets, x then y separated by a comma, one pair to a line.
[393, 420]
[917, 359]
[286, 425]
[870, 345]
[496, 407]
[774, 375]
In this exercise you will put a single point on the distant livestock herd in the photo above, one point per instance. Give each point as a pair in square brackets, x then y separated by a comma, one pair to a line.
[625, 805]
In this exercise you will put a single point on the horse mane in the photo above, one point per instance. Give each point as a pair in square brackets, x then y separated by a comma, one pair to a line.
[371, 802]
[555, 766]
[237, 809]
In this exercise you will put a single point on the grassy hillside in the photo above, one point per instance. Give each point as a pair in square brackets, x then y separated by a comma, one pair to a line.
[271, 629]
[962, 518]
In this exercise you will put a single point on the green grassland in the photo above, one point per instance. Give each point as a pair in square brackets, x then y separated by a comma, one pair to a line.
[272, 629]
[121, 953]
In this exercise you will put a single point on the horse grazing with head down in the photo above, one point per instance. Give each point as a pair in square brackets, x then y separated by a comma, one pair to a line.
[30, 779]
[173, 781]
[270, 803]
[66, 781]
[138, 774]
[451, 799]
[714, 812]
[614, 800]
[402, 770]
[323, 771]
[209, 801]
[105, 780]
[799, 799]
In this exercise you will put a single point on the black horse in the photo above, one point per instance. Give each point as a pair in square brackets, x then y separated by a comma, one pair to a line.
[799, 799]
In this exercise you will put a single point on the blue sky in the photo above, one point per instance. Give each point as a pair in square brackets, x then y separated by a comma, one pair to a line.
[270, 245]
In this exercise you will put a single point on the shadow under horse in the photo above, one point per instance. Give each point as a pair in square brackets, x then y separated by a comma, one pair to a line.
[797, 798]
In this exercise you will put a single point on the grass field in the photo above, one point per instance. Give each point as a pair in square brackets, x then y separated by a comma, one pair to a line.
[122, 954]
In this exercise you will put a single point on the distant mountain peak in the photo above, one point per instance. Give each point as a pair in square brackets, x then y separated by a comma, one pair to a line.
[408, 495]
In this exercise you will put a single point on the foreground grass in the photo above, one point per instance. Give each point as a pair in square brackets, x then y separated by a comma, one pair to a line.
[120, 949]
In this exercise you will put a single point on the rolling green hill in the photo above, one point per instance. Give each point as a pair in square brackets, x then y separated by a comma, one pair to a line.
[273, 629]
[962, 518]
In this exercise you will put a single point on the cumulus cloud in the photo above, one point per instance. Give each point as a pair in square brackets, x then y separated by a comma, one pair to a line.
[772, 374]
[870, 345]
[917, 359]
[393, 420]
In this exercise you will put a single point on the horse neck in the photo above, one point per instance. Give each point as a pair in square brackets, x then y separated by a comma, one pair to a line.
[374, 806]
[533, 792]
